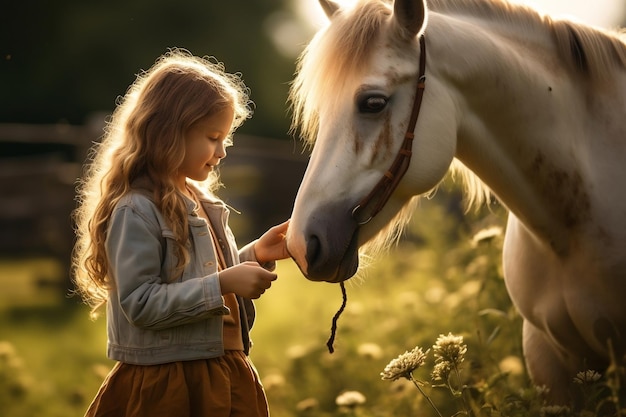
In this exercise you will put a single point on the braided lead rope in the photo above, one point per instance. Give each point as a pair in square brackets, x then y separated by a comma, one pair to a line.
[333, 328]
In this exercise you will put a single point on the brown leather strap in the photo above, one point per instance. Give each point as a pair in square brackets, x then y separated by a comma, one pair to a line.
[380, 194]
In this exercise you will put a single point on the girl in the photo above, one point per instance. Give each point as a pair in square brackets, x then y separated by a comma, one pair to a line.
[154, 245]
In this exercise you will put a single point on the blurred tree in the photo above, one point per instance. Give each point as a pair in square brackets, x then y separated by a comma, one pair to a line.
[61, 61]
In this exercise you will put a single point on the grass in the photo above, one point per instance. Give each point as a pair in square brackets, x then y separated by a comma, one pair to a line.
[51, 360]
[51, 354]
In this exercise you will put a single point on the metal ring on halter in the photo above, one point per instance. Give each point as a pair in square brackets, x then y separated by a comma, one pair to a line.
[358, 222]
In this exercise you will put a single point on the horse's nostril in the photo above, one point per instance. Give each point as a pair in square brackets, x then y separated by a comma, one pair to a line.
[313, 250]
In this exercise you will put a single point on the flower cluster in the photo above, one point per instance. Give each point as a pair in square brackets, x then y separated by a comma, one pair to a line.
[587, 377]
[450, 349]
[404, 365]
[449, 355]
[441, 371]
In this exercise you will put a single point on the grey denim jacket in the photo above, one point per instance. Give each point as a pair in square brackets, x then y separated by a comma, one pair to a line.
[154, 317]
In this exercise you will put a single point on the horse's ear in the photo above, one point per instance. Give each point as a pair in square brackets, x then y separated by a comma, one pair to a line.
[330, 7]
[410, 16]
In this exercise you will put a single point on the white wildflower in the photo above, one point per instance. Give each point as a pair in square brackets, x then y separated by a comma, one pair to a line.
[350, 399]
[405, 364]
[512, 365]
[370, 350]
[450, 349]
[273, 381]
[307, 404]
[441, 371]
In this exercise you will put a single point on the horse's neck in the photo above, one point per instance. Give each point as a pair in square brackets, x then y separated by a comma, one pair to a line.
[525, 130]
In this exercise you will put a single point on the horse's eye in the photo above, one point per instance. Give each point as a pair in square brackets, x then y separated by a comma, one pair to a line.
[372, 103]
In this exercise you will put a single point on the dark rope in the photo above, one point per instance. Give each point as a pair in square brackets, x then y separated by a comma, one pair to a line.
[333, 328]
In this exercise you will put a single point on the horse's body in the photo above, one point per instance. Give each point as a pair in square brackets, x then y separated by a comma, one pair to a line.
[533, 106]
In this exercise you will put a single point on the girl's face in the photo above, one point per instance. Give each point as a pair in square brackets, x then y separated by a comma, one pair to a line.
[205, 145]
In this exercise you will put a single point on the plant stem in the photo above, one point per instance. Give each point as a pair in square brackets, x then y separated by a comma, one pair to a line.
[461, 390]
[425, 396]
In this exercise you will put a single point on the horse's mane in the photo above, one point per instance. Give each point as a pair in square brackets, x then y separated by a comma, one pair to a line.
[333, 58]
[339, 53]
[592, 51]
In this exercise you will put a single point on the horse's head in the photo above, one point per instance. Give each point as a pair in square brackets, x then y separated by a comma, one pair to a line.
[352, 100]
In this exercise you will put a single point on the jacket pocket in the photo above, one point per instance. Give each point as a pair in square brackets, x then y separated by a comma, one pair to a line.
[169, 260]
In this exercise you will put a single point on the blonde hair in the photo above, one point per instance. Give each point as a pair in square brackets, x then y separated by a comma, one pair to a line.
[145, 142]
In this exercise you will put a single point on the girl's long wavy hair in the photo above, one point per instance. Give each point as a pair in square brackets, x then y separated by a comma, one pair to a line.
[145, 142]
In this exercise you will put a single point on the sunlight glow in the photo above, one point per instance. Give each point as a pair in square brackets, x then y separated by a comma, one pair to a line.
[604, 13]
[292, 30]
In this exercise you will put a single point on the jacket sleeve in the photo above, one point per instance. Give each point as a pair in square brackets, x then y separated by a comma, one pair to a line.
[135, 255]
[247, 254]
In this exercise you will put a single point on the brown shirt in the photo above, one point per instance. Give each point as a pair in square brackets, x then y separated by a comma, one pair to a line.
[232, 322]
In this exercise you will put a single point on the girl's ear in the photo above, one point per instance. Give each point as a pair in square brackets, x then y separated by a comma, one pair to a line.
[410, 17]
[330, 7]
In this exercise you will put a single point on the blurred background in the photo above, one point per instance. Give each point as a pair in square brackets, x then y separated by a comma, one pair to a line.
[62, 66]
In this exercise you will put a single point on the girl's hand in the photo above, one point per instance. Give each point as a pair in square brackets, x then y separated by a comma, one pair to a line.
[247, 279]
[272, 246]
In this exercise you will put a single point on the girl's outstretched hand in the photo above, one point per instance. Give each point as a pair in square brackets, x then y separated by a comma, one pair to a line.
[272, 246]
[247, 279]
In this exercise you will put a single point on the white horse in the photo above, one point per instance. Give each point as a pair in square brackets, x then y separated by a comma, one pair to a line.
[532, 106]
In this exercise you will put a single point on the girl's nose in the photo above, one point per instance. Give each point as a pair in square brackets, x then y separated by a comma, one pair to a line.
[221, 151]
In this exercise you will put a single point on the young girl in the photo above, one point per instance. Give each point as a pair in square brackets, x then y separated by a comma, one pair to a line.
[154, 245]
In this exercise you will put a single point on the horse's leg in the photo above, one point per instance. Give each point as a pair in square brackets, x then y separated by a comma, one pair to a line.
[545, 365]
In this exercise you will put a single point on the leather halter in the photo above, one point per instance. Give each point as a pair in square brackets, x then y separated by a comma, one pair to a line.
[380, 194]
